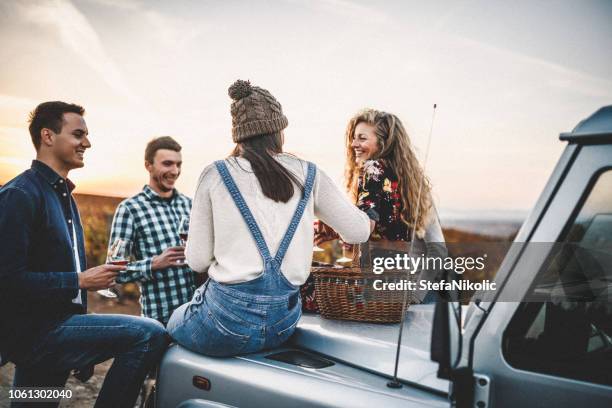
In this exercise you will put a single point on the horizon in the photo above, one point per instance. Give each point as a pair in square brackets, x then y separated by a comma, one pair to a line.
[450, 214]
[507, 79]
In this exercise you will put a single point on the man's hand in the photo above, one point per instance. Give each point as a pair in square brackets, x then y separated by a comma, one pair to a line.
[170, 257]
[99, 277]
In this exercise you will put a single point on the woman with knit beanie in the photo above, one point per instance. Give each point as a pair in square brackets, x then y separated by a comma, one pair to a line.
[251, 230]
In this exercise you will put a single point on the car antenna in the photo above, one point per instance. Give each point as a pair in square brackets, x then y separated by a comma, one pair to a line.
[394, 383]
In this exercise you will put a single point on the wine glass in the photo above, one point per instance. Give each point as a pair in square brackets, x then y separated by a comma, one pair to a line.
[317, 248]
[345, 252]
[183, 231]
[118, 254]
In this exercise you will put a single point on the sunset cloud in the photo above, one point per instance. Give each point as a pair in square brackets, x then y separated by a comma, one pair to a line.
[77, 34]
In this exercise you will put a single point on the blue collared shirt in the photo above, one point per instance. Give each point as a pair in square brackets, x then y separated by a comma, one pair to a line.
[38, 277]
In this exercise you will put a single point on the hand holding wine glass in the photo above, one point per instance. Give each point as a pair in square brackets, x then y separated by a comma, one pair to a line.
[317, 227]
[119, 255]
[169, 258]
[323, 233]
[99, 277]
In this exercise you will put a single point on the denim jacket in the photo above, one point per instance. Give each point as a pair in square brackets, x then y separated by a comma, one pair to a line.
[38, 277]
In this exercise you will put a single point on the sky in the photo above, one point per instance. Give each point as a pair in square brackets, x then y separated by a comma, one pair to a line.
[507, 78]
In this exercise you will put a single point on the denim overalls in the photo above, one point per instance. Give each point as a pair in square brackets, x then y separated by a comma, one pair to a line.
[229, 319]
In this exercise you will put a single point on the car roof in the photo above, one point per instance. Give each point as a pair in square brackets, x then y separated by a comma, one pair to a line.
[597, 128]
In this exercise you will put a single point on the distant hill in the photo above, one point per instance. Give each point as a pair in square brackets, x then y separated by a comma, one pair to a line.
[97, 200]
[97, 215]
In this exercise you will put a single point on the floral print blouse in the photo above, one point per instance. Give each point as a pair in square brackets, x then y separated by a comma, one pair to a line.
[378, 195]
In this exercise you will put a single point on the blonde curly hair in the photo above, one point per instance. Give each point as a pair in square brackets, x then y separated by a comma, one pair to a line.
[396, 151]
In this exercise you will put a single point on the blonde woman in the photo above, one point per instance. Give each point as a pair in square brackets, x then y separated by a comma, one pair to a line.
[385, 180]
[384, 177]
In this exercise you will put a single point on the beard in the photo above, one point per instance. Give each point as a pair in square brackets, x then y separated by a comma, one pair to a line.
[159, 180]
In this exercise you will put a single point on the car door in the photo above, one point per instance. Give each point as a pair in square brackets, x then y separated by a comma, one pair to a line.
[556, 352]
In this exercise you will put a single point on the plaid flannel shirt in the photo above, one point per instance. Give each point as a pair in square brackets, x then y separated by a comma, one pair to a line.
[150, 222]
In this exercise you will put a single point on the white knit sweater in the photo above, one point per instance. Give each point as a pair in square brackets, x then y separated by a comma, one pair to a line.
[220, 242]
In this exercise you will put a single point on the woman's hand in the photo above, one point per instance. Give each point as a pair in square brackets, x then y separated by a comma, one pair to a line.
[323, 233]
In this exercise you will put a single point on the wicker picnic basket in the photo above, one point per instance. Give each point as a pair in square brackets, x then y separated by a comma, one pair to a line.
[347, 293]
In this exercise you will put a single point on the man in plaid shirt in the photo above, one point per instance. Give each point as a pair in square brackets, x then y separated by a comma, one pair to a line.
[150, 220]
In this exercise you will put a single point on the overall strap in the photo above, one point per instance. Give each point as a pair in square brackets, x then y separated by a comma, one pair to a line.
[297, 216]
[244, 210]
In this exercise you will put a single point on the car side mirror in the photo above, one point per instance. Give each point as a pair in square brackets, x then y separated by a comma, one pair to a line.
[446, 336]
[446, 339]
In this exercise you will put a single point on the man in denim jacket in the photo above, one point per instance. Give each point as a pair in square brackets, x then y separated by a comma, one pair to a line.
[44, 328]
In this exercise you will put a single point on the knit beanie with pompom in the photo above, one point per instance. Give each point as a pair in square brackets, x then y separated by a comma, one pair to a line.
[254, 111]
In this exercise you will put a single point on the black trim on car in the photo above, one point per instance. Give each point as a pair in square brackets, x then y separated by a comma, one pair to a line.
[587, 138]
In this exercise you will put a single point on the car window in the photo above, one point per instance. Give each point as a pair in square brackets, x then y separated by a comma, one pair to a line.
[569, 334]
